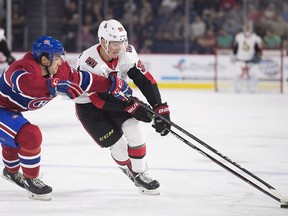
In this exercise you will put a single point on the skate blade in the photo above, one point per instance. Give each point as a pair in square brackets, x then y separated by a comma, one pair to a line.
[149, 192]
[41, 197]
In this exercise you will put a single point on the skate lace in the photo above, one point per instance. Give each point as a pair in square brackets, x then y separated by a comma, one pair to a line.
[145, 177]
[38, 183]
[19, 177]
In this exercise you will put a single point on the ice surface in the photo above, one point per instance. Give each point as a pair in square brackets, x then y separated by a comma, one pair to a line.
[251, 129]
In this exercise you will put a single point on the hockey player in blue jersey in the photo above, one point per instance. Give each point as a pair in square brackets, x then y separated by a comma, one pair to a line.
[29, 84]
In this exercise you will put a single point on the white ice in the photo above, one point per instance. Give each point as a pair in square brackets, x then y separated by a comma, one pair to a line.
[250, 129]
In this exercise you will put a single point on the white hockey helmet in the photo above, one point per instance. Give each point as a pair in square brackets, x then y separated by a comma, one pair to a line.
[112, 30]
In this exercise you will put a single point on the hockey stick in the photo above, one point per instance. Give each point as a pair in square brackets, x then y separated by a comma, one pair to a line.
[284, 203]
[276, 195]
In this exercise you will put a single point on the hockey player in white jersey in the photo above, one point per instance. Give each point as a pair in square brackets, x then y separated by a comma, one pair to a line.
[113, 123]
[247, 51]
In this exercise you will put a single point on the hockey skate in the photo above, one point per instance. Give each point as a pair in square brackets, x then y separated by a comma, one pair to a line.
[143, 181]
[37, 189]
[16, 178]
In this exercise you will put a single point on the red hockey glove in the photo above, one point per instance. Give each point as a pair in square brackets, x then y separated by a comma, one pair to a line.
[72, 90]
[160, 125]
[138, 112]
[119, 87]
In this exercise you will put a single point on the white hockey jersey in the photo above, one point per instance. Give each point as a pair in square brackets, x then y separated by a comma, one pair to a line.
[91, 61]
[126, 65]
[246, 46]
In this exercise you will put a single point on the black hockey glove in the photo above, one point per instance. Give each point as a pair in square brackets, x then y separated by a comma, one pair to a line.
[137, 111]
[159, 124]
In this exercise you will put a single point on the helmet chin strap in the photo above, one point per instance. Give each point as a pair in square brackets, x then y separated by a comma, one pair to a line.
[46, 69]
[106, 50]
[48, 72]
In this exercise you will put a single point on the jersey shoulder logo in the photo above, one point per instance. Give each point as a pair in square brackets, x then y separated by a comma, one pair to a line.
[91, 62]
[141, 67]
[129, 48]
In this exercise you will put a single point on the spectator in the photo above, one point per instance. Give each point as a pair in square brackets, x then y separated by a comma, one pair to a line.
[219, 19]
[236, 13]
[2, 13]
[231, 26]
[227, 5]
[269, 13]
[169, 5]
[70, 26]
[284, 11]
[224, 39]
[253, 14]
[206, 43]
[208, 16]
[151, 20]
[197, 28]
[271, 40]
[146, 48]
[201, 5]
[18, 24]
[280, 27]
[97, 15]
[87, 37]
[180, 27]
[146, 12]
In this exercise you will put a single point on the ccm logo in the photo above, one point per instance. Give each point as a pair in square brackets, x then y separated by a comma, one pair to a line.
[106, 135]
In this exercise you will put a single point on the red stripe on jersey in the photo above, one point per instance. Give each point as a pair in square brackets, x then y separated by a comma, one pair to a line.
[137, 152]
[140, 66]
[96, 100]
[7, 130]
[150, 77]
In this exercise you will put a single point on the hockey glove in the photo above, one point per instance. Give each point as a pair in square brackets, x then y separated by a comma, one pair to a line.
[72, 90]
[160, 125]
[119, 88]
[138, 112]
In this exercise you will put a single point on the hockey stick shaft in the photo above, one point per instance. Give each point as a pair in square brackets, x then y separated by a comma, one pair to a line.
[273, 190]
[224, 166]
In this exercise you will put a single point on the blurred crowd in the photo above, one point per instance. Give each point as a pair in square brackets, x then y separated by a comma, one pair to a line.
[169, 26]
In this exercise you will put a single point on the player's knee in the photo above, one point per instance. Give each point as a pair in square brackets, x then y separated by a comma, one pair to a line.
[133, 132]
[29, 137]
